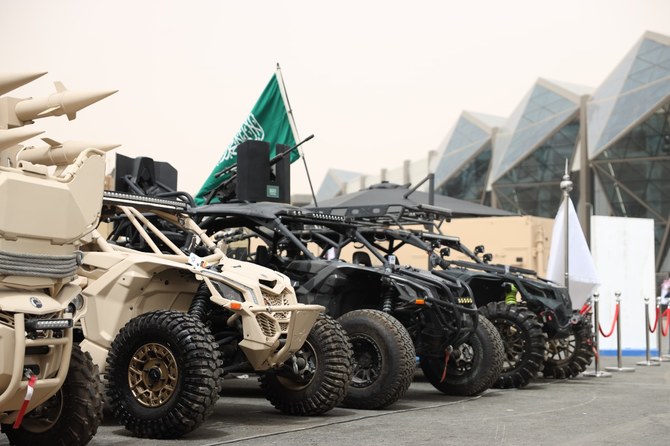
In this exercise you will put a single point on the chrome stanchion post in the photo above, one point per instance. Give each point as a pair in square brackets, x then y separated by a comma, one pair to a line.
[597, 373]
[619, 367]
[659, 333]
[646, 333]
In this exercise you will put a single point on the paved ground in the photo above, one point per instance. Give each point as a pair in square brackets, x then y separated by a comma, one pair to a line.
[625, 409]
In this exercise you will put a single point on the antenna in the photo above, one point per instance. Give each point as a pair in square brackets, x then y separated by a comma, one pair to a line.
[295, 130]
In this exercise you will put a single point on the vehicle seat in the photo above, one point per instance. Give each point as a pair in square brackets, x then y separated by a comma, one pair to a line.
[361, 258]
[262, 256]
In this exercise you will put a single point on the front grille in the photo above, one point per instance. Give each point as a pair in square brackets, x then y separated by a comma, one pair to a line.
[7, 319]
[267, 324]
[276, 301]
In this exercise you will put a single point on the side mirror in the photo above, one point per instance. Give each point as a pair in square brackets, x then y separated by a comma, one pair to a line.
[487, 258]
[433, 260]
[479, 249]
[444, 252]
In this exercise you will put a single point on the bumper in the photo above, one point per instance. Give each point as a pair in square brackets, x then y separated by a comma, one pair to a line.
[265, 343]
[12, 395]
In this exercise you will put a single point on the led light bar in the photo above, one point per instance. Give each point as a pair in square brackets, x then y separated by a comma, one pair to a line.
[120, 198]
[47, 324]
[325, 217]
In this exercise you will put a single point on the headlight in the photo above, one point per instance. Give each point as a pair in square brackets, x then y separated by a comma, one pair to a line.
[47, 324]
[78, 302]
[228, 292]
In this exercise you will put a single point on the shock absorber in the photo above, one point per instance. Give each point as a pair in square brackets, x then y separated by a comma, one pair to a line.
[200, 302]
[388, 295]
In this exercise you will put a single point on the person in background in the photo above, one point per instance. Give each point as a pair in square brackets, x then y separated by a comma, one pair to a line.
[665, 294]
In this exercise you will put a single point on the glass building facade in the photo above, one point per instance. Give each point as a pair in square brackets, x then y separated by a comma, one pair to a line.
[465, 158]
[629, 139]
[518, 162]
[531, 151]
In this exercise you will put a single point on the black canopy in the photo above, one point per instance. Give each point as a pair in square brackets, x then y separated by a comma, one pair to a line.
[393, 199]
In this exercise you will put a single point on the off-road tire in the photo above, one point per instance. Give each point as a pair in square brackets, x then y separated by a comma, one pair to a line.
[330, 363]
[78, 406]
[474, 376]
[164, 343]
[523, 340]
[568, 357]
[384, 359]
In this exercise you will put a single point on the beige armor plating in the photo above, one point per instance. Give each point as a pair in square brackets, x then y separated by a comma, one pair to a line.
[50, 202]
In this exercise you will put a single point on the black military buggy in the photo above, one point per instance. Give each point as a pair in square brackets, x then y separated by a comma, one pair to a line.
[539, 328]
[390, 313]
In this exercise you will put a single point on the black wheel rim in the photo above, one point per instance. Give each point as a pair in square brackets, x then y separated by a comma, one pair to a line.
[44, 416]
[560, 351]
[461, 359]
[514, 343]
[303, 365]
[367, 361]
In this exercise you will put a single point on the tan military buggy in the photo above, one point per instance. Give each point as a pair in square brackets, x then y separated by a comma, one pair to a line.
[170, 315]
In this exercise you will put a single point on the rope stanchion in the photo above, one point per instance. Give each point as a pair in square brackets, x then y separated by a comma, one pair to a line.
[660, 333]
[667, 329]
[647, 330]
[617, 319]
[597, 373]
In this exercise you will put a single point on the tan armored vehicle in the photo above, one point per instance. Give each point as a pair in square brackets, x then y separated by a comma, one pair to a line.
[50, 200]
[169, 316]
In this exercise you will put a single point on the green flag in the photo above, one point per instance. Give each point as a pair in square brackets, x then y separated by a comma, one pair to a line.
[268, 121]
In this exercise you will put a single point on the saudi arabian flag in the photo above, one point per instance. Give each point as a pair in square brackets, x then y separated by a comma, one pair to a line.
[268, 121]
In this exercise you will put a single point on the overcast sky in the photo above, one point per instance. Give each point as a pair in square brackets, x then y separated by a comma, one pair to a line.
[376, 82]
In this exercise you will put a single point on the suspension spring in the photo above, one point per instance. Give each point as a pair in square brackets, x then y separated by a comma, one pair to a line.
[387, 307]
[200, 303]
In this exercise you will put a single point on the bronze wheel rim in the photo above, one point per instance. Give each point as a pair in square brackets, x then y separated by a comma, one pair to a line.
[153, 375]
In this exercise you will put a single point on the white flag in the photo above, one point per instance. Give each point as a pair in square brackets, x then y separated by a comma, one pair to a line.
[583, 275]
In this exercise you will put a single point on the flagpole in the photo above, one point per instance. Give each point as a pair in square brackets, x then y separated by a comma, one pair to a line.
[566, 187]
[294, 128]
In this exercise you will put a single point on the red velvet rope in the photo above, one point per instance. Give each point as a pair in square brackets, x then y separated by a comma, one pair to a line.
[653, 329]
[616, 316]
[664, 331]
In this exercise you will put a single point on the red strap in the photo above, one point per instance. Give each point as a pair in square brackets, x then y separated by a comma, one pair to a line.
[26, 401]
[585, 309]
[447, 353]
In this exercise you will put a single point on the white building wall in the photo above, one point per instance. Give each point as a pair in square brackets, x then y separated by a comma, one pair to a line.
[623, 250]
